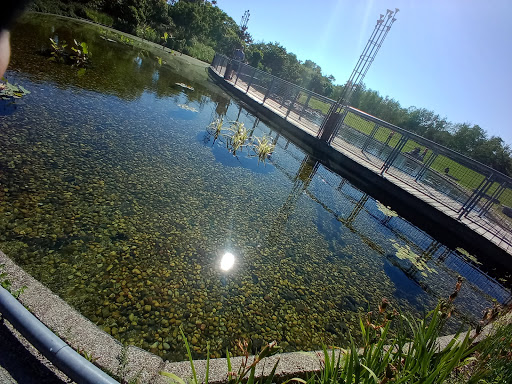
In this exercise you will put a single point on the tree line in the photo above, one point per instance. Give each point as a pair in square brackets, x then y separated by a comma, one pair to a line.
[200, 28]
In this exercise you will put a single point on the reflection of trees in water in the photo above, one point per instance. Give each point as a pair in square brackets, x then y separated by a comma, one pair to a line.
[222, 104]
[117, 69]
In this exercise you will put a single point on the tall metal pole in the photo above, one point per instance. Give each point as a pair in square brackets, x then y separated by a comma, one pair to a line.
[329, 126]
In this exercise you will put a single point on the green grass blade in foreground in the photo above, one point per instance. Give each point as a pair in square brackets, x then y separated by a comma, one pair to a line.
[207, 362]
[171, 377]
[189, 356]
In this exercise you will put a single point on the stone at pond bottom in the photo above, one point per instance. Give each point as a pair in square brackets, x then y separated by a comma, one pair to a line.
[147, 308]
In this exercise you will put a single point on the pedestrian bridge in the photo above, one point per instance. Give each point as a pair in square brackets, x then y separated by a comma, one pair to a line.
[465, 190]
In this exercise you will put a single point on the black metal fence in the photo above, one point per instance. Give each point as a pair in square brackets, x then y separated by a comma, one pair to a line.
[456, 184]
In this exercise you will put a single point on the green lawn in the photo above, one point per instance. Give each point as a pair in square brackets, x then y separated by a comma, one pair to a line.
[314, 103]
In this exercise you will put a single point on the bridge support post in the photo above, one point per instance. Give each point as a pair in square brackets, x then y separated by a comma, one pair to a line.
[477, 195]
[331, 126]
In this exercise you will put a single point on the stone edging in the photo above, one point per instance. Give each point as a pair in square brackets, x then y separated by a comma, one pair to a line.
[132, 363]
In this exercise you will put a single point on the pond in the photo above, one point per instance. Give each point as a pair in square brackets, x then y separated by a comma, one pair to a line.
[115, 196]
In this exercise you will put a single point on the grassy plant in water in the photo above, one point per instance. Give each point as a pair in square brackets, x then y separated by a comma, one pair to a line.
[263, 148]
[239, 137]
[215, 128]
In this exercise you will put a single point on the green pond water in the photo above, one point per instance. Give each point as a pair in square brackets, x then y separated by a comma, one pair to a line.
[114, 195]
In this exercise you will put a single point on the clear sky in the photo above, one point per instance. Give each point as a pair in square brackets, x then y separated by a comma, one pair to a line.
[451, 56]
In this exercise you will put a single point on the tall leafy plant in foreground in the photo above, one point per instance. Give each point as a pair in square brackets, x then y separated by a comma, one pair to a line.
[408, 353]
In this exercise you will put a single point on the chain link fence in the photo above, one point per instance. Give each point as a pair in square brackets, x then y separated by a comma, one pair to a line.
[449, 181]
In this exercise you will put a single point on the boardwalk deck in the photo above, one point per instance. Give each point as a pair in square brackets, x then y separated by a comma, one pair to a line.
[425, 193]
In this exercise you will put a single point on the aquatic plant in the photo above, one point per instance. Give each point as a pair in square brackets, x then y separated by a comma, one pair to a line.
[404, 252]
[215, 128]
[386, 210]
[81, 54]
[9, 91]
[264, 148]
[239, 137]
[58, 51]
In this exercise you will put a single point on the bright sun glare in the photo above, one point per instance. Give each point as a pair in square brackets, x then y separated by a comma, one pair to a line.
[227, 261]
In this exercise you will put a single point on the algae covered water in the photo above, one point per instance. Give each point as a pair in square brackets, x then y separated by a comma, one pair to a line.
[115, 196]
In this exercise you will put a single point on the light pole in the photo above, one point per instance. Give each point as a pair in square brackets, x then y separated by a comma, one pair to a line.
[330, 125]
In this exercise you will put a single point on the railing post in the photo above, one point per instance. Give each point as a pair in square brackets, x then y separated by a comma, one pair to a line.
[269, 89]
[305, 105]
[292, 104]
[426, 165]
[369, 138]
[475, 198]
[394, 154]
[495, 196]
[250, 81]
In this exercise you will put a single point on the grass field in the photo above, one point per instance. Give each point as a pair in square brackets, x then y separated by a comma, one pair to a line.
[314, 103]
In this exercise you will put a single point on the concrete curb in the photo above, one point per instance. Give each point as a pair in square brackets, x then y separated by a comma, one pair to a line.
[132, 364]
[51, 346]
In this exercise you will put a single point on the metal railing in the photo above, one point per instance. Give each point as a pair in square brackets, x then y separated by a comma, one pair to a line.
[287, 100]
[454, 183]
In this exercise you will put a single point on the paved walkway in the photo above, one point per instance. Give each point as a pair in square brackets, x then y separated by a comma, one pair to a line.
[492, 232]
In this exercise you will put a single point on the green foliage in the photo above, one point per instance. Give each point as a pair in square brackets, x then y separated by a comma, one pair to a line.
[58, 51]
[88, 356]
[148, 33]
[246, 372]
[200, 51]
[99, 17]
[263, 148]
[81, 54]
[409, 354]
[10, 91]
[7, 285]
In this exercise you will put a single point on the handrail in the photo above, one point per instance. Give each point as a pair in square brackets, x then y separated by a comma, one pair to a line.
[76, 367]
[462, 159]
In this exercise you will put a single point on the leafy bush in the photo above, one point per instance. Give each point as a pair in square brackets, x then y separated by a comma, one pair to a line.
[200, 51]
[99, 17]
[148, 33]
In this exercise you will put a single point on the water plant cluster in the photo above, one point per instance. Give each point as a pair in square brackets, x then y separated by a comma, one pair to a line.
[78, 55]
[10, 91]
[237, 137]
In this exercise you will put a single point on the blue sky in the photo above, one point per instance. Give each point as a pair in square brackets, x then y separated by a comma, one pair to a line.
[450, 56]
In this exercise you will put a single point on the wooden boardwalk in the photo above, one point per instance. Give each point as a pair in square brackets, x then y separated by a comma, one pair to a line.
[491, 231]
